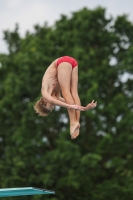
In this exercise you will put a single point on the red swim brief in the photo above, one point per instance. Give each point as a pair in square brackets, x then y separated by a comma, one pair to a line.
[67, 59]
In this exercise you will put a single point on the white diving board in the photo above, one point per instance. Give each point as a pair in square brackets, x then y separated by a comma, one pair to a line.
[7, 192]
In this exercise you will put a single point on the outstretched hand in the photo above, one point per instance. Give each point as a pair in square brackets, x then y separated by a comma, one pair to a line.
[81, 108]
[91, 105]
[77, 107]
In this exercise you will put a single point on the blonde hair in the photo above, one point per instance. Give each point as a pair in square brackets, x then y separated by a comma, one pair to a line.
[40, 108]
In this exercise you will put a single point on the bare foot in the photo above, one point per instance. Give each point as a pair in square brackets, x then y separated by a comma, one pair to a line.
[75, 134]
[74, 130]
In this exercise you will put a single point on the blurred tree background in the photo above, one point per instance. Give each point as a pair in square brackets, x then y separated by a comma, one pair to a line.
[37, 151]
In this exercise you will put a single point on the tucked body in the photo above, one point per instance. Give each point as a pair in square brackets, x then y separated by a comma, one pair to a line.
[60, 87]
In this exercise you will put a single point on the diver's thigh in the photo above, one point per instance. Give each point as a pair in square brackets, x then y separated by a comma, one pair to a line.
[64, 75]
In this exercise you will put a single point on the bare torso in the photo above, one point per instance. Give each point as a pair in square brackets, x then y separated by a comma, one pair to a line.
[50, 80]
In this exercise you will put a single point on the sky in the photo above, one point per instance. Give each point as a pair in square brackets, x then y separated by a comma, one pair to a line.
[27, 13]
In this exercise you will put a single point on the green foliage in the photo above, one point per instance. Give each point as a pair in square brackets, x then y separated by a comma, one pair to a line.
[37, 151]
